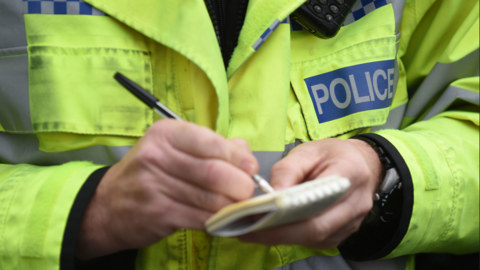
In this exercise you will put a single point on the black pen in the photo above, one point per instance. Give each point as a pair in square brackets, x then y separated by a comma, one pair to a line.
[165, 112]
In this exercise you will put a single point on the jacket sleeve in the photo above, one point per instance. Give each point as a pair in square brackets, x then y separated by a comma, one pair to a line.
[35, 205]
[436, 149]
[442, 157]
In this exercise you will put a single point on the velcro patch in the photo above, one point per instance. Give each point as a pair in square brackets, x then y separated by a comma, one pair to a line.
[352, 89]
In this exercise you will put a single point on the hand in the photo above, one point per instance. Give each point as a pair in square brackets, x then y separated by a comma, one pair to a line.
[176, 176]
[353, 159]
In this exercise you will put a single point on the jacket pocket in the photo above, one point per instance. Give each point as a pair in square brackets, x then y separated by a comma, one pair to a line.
[73, 90]
[346, 82]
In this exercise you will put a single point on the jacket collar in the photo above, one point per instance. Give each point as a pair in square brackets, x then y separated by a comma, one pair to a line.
[185, 26]
[262, 16]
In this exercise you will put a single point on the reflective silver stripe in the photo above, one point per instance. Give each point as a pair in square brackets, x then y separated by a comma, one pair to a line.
[266, 160]
[439, 78]
[289, 147]
[395, 116]
[448, 97]
[359, 10]
[12, 25]
[398, 7]
[14, 101]
[14, 98]
[390, 264]
[338, 263]
[23, 148]
[394, 119]
[317, 263]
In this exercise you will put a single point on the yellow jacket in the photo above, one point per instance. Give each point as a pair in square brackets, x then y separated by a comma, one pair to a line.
[406, 72]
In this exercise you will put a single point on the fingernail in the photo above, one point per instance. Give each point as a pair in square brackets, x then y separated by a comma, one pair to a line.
[248, 166]
[277, 187]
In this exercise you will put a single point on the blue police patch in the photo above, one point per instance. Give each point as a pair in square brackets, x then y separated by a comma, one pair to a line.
[352, 89]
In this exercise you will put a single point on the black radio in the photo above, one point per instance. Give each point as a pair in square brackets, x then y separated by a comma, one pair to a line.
[323, 18]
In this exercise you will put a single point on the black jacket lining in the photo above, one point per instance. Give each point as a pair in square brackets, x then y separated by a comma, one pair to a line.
[124, 260]
[375, 242]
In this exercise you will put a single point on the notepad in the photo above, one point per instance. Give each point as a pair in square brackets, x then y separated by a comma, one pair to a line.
[292, 204]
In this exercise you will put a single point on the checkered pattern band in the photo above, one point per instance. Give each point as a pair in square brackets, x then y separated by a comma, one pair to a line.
[362, 8]
[266, 34]
[359, 10]
[60, 7]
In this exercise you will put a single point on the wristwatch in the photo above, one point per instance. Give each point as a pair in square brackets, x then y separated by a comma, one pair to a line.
[387, 204]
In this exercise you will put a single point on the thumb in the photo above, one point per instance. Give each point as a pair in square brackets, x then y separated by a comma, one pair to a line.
[294, 168]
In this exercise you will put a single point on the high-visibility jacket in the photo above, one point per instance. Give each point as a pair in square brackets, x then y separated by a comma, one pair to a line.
[405, 72]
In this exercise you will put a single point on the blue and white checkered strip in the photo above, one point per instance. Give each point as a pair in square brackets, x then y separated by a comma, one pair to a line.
[266, 34]
[287, 20]
[362, 8]
[359, 10]
[60, 7]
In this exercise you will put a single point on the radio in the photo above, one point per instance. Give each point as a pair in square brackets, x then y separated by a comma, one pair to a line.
[323, 18]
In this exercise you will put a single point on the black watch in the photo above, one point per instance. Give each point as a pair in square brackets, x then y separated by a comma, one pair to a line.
[388, 199]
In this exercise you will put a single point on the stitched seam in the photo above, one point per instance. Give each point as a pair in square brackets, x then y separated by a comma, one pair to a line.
[148, 80]
[304, 122]
[353, 125]
[88, 47]
[281, 256]
[176, 89]
[184, 246]
[453, 204]
[152, 85]
[16, 55]
[448, 227]
[337, 54]
[21, 173]
[158, 37]
[86, 55]
[411, 147]
[83, 132]
[17, 131]
[49, 218]
[213, 254]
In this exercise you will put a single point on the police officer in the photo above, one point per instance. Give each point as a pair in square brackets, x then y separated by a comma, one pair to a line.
[89, 172]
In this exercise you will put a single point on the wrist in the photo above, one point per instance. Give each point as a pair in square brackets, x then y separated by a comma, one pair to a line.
[372, 160]
[95, 237]
[387, 198]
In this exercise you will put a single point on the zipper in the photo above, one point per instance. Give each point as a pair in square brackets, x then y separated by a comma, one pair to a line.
[221, 22]
[227, 15]
[215, 10]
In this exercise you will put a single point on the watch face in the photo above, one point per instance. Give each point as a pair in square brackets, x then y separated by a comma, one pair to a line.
[391, 202]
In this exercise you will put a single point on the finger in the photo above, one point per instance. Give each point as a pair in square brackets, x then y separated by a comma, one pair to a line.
[241, 144]
[176, 215]
[310, 232]
[294, 168]
[201, 142]
[191, 195]
[335, 239]
[358, 175]
[213, 175]
[251, 166]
